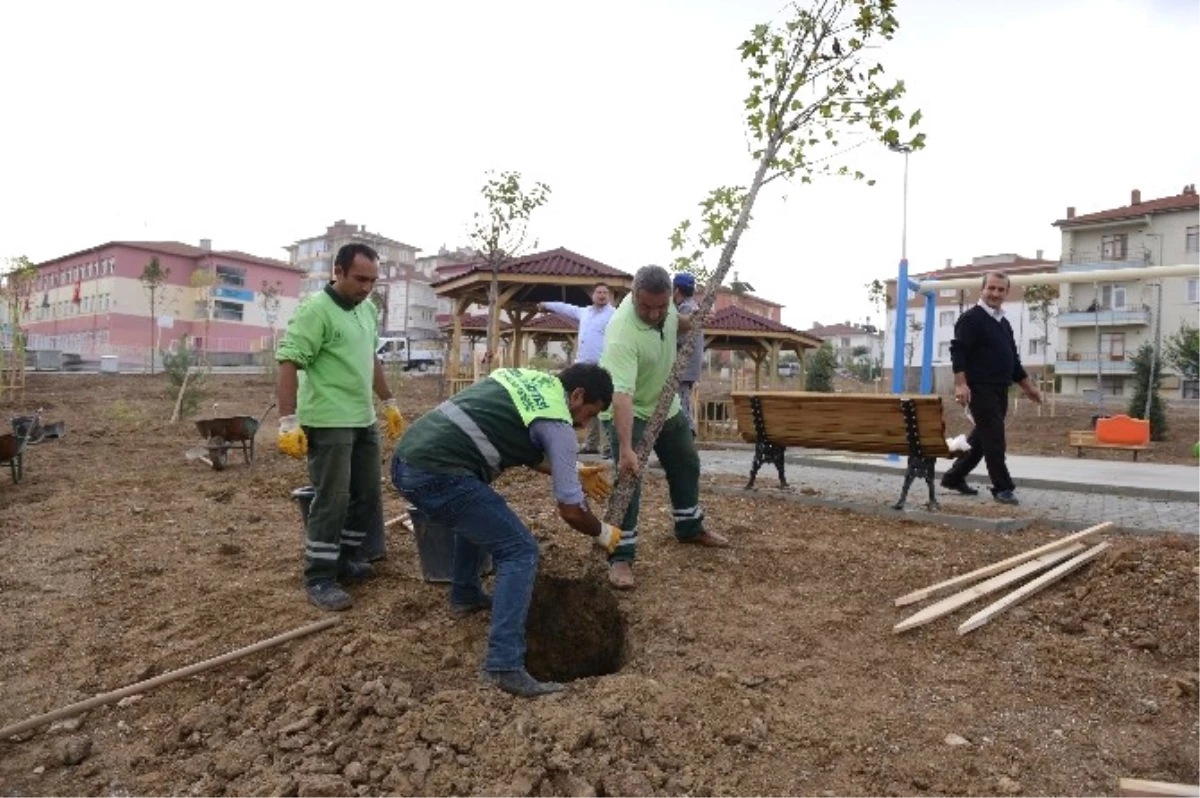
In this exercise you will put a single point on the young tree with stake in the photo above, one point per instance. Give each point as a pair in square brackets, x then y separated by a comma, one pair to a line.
[499, 235]
[813, 97]
[154, 279]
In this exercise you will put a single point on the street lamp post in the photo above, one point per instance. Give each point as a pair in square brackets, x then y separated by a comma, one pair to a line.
[901, 284]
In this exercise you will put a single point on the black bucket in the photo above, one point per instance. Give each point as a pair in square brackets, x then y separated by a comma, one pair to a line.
[374, 546]
[435, 548]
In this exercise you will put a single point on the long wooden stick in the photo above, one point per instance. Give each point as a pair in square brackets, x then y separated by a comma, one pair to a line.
[179, 399]
[1143, 787]
[995, 568]
[951, 603]
[170, 676]
[1022, 593]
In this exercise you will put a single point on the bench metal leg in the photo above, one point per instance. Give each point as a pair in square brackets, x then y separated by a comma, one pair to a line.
[918, 467]
[767, 453]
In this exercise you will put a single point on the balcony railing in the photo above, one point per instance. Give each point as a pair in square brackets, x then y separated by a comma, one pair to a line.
[1088, 260]
[1088, 363]
[1103, 316]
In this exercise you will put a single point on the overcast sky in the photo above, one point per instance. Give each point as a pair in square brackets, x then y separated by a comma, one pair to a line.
[256, 124]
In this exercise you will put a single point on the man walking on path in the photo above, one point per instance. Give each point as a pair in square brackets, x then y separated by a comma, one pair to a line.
[445, 466]
[328, 417]
[593, 321]
[685, 303]
[985, 360]
[639, 353]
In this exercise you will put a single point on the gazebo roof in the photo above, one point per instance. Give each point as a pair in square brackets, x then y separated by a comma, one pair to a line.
[556, 275]
[735, 328]
[552, 322]
[471, 322]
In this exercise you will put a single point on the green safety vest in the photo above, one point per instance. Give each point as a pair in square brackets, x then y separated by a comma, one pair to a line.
[484, 429]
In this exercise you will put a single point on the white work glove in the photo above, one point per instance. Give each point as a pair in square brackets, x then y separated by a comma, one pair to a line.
[609, 537]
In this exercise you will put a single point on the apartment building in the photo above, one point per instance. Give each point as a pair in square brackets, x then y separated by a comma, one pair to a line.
[847, 339]
[93, 302]
[409, 304]
[1104, 323]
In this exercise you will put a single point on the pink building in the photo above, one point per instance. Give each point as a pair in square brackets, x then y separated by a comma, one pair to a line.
[94, 303]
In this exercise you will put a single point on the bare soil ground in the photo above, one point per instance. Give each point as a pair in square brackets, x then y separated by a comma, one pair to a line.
[766, 669]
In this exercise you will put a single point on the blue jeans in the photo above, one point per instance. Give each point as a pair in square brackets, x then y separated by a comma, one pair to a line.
[481, 521]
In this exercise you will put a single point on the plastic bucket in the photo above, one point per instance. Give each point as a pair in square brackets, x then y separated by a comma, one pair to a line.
[435, 548]
[374, 547]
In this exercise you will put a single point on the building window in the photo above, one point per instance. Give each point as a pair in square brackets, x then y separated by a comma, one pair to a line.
[227, 311]
[946, 318]
[944, 350]
[1035, 346]
[1191, 242]
[1114, 247]
[230, 275]
[845, 343]
[1193, 290]
[1191, 389]
[1112, 346]
[948, 292]
[1112, 297]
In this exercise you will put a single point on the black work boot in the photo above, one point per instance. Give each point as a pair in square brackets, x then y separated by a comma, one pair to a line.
[463, 610]
[354, 571]
[328, 595]
[520, 683]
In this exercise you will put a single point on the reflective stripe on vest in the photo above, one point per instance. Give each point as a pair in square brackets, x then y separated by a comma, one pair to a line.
[460, 419]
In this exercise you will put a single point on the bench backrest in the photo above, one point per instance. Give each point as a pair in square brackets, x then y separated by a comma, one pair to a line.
[863, 422]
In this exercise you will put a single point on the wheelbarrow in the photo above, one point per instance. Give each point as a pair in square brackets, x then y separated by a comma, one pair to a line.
[223, 434]
[12, 447]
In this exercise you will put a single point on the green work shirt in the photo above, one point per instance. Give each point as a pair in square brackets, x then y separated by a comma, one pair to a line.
[640, 357]
[333, 342]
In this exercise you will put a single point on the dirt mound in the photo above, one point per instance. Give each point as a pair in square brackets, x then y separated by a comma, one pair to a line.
[769, 668]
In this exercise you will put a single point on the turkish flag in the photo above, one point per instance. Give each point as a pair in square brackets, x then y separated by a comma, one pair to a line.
[78, 289]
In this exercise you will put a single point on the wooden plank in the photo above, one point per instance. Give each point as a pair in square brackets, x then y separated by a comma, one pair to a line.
[997, 567]
[951, 603]
[1154, 789]
[1022, 593]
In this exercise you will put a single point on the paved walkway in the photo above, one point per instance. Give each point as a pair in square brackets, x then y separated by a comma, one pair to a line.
[1142, 497]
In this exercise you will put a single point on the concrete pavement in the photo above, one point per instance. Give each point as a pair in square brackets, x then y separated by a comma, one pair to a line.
[1067, 492]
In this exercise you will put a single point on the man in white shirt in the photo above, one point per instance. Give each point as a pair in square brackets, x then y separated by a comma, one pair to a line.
[593, 321]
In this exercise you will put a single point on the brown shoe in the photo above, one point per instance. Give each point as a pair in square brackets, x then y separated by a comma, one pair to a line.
[709, 539]
[620, 575]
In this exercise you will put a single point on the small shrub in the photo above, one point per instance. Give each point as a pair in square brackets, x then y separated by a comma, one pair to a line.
[177, 365]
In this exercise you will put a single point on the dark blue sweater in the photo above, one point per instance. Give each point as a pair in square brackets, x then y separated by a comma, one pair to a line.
[985, 349]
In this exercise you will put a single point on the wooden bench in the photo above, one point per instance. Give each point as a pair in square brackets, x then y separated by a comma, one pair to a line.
[874, 423]
[1086, 439]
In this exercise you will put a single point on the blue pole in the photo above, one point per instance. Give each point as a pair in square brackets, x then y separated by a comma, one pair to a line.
[927, 348]
[901, 328]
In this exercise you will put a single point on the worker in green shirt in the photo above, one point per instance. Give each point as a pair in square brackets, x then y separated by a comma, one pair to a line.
[445, 466]
[329, 417]
[639, 353]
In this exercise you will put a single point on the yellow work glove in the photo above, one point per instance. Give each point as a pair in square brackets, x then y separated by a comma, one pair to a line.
[292, 440]
[395, 422]
[594, 479]
[609, 537]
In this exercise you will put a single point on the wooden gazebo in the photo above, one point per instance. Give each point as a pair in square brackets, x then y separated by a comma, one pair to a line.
[734, 329]
[557, 275]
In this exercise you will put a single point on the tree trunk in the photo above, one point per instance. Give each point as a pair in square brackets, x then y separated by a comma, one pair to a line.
[623, 491]
[493, 330]
[153, 321]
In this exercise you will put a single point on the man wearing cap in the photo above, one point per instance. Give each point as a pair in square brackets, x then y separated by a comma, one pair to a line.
[639, 353]
[685, 303]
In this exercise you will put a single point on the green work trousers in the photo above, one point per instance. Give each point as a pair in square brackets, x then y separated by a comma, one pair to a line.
[343, 464]
[676, 450]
